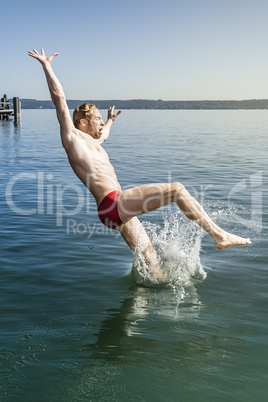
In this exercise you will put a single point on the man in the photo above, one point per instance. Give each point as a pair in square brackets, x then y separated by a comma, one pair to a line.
[117, 209]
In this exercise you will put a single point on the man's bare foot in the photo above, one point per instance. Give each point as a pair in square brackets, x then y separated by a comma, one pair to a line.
[229, 239]
[158, 275]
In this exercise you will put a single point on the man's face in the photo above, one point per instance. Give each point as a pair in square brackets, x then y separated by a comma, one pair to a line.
[95, 124]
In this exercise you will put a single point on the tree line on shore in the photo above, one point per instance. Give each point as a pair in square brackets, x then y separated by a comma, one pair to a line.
[153, 104]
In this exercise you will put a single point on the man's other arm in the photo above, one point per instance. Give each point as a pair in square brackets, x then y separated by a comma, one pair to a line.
[107, 126]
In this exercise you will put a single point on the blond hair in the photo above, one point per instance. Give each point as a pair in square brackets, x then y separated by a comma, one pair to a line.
[84, 111]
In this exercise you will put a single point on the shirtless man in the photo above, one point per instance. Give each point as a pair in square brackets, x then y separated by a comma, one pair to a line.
[117, 209]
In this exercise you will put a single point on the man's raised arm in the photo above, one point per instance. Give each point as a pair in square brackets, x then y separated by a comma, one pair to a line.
[57, 96]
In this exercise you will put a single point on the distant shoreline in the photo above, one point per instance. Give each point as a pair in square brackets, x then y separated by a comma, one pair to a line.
[154, 104]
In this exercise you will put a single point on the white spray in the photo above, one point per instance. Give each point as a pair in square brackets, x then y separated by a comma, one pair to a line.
[177, 243]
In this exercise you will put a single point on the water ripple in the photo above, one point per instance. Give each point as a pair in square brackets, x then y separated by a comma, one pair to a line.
[58, 334]
[141, 324]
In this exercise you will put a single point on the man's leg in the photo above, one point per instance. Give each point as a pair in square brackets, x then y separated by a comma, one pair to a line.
[135, 235]
[148, 197]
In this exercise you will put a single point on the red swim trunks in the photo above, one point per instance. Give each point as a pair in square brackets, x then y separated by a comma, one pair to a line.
[108, 212]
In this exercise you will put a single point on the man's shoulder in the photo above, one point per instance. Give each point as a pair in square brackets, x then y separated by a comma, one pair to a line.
[71, 133]
[77, 139]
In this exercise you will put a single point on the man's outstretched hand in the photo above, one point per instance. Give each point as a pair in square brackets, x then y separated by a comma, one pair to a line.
[111, 114]
[42, 57]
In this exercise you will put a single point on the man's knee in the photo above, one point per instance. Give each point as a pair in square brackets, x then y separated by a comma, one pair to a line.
[180, 192]
[178, 188]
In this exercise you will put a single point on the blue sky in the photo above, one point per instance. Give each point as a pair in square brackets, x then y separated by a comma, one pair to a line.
[126, 49]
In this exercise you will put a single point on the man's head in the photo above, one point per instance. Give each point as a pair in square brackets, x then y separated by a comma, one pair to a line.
[87, 118]
[84, 111]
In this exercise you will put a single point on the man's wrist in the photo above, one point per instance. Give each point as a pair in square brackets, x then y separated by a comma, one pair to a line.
[45, 66]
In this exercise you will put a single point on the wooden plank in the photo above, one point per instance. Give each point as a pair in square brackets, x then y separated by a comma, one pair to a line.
[6, 111]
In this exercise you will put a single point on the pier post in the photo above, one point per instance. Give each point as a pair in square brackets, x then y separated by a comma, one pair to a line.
[5, 108]
[16, 107]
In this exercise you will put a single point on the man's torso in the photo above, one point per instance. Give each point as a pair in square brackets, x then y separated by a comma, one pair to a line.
[91, 164]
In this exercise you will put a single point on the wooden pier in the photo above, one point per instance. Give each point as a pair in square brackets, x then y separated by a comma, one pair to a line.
[6, 111]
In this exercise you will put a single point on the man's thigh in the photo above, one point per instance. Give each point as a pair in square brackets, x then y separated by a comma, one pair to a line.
[143, 199]
[134, 234]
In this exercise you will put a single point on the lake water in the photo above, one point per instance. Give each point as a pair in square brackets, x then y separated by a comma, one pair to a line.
[75, 324]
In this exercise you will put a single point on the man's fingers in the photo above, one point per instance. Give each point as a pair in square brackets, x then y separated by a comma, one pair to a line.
[41, 56]
[54, 55]
[33, 54]
[111, 113]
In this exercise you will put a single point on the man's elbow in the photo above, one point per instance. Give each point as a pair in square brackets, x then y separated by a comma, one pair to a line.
[57, 97]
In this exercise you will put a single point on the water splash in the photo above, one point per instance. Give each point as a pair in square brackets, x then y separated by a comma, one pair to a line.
[237, 216]
[177, 243]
